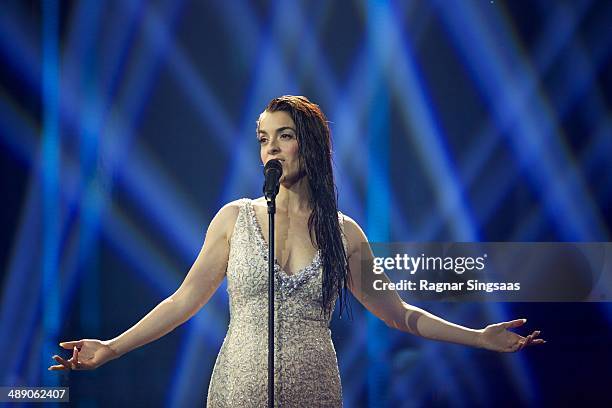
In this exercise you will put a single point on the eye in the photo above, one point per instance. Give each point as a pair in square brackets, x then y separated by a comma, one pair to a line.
[287, 136]
[261, 140]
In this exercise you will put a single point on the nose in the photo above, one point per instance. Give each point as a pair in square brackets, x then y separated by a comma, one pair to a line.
[273, 147]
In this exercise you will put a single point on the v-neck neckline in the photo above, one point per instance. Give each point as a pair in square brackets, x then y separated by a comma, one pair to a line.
[278, 268]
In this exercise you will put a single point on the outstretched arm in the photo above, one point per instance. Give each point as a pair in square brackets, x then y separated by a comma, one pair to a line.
[390, 308]
[201, 282]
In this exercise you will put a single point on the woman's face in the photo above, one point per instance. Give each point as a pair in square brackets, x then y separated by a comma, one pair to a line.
[278, 140]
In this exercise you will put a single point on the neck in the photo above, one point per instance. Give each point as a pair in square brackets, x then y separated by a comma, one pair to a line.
[294, 198]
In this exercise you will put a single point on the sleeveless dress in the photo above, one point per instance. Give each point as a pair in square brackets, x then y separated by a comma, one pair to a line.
[305, 365]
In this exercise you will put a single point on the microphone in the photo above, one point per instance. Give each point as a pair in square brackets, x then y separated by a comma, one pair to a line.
[273, 171]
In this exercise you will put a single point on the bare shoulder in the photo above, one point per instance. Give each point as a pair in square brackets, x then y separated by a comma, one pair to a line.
[354, 234]
[230, 210]
[223, 222]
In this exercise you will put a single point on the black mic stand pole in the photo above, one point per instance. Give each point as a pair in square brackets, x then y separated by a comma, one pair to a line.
[271, 213]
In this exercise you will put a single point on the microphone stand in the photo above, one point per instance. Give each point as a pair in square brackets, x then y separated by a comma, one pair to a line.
[271, 213]
[272, 173]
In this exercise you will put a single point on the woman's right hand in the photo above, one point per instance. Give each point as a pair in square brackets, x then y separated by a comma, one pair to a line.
[87, 354]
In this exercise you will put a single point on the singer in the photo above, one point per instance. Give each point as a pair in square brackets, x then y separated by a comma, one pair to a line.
[318, 260]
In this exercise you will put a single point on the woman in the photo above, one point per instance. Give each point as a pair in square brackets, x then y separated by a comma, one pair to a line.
[318, 259]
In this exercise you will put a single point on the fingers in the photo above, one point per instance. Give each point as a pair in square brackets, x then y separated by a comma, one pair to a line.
[64, 364]
[530, 340]
[534, 340]
[514, 323]
[71, 364]
[523, 343]
[56, 367]
[527, 340]
[70, 344]
[75, 357]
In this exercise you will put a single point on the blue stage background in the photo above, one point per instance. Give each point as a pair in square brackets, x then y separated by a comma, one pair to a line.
[125, 126]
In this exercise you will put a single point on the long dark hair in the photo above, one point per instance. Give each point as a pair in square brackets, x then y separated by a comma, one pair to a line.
[314, 143]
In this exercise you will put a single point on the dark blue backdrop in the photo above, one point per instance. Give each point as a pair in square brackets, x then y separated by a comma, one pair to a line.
[125, 126]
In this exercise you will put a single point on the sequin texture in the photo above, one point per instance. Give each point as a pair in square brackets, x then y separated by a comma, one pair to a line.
[306, 368]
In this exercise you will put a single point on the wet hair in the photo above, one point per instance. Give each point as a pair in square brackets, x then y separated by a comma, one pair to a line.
[315, 160]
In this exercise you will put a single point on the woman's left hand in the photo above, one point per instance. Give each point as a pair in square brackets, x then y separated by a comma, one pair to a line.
[496, 337]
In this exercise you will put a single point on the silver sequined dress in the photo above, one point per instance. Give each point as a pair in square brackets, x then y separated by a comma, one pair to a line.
[306, 369]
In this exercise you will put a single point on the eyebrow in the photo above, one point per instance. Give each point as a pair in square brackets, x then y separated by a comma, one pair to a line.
[280, 129]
